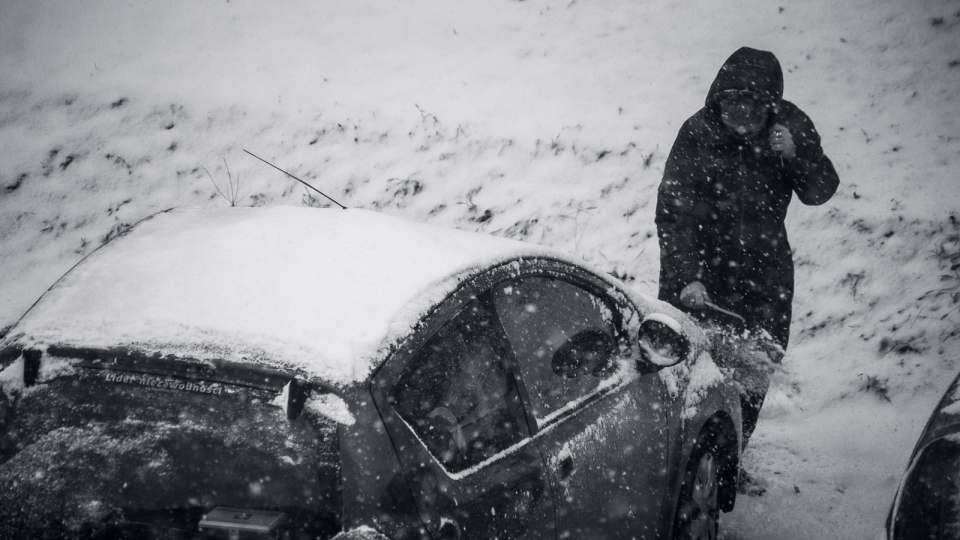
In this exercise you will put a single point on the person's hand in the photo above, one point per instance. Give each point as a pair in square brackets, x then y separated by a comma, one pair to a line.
[694, 295]
[781, 140]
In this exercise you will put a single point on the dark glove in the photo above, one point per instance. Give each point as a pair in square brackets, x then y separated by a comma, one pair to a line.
[781, 140]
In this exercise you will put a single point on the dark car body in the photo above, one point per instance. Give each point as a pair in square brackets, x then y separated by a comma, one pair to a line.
[524, 395]
[927, 504]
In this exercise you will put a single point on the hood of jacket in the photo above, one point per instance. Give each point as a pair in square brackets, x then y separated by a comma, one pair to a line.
[749, 69]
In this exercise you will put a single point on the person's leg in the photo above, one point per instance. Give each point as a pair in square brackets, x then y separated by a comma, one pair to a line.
[750, 404]
[770, 316]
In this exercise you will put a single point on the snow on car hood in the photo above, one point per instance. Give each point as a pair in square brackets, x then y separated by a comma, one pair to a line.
[323, 291]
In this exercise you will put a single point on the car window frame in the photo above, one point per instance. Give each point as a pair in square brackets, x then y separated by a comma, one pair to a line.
[481, 282]
[621, 309]
[511, 405]
[388, 375]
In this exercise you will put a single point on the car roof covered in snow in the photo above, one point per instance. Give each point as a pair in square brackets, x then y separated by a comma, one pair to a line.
[322, 291]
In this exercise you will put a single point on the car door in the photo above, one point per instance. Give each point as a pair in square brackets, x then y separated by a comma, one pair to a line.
[453, 411]
[599, 423]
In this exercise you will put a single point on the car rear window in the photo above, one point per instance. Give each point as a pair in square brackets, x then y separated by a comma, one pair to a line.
[105, 449]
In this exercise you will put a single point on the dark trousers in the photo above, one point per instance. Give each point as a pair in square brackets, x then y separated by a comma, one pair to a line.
[752, 401]
[731, 347]
[750, 405]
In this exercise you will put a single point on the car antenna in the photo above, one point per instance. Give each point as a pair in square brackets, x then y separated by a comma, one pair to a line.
[295, 178]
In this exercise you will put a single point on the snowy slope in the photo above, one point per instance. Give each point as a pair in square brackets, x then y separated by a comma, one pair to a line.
[539, 121]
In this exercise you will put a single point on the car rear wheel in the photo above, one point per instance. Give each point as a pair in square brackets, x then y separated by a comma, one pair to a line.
[698, 509]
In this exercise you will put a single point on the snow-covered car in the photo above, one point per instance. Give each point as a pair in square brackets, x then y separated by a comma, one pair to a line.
[927, 503]
[304, 373]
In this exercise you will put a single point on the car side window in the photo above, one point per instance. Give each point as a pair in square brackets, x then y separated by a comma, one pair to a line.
[564, 337]
[458, 393]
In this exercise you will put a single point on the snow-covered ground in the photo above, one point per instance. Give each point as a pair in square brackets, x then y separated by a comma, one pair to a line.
[541, 121]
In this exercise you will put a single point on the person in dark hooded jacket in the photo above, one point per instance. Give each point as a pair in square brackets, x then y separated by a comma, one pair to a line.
[730, 176]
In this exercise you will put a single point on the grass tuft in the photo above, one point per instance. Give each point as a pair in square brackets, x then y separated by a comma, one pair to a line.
[231, 189]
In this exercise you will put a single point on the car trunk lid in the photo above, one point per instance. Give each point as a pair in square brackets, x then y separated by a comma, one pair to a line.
[124, 443]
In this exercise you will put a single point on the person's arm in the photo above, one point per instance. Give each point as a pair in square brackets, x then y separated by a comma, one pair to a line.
[678, 219]
[810, 172]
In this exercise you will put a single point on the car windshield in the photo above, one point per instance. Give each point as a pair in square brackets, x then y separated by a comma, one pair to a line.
[108, 449]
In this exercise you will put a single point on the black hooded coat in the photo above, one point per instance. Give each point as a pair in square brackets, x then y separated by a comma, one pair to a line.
[723, 200]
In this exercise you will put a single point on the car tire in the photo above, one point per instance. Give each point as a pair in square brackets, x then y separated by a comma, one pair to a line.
[698, 507]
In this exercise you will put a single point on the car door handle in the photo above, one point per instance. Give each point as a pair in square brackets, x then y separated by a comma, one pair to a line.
[566, 467]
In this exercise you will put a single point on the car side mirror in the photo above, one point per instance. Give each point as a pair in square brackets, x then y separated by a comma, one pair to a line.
[662, 343]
